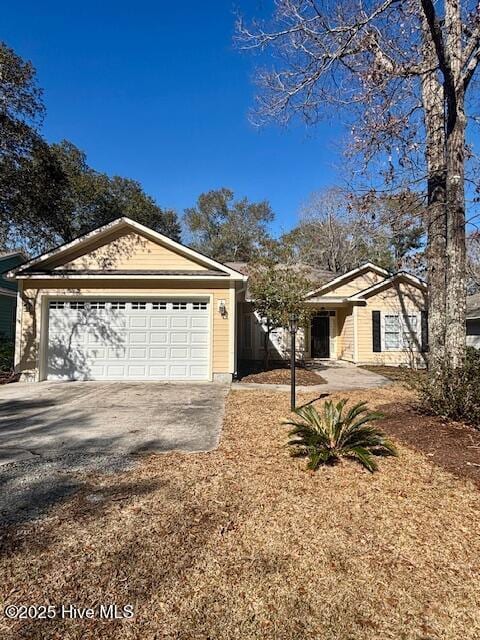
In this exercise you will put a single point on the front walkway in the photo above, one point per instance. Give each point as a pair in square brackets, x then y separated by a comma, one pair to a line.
[340, 376]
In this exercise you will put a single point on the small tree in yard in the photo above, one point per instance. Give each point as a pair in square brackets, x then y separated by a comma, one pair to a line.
[278, 291]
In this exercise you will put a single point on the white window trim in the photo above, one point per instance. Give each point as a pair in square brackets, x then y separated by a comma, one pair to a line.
[402, 325]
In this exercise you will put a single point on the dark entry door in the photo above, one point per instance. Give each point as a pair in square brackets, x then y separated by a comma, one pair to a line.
[320, 337]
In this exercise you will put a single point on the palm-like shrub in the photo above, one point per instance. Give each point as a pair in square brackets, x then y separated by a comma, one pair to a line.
[328, 436]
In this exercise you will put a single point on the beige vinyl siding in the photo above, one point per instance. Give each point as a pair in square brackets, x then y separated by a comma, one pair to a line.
[123, 249]
[355, 285]
[35, 290]
[345, 330]
[403, 299]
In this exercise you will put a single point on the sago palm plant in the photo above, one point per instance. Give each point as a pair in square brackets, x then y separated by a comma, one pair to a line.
[328, 436]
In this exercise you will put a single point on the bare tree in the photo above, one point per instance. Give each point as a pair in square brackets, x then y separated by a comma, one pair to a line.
[473, 263]
[338, 232]
[401, 69]
[322, 238]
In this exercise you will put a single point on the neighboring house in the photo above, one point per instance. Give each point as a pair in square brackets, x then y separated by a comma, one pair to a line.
[127, 303]
[473, 321]
[8, 293]
[366, 316]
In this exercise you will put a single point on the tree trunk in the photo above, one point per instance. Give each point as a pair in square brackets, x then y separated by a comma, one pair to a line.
[455, 156]
[432, 97]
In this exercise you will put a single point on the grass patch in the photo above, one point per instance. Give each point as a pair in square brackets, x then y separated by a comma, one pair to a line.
[244, 543]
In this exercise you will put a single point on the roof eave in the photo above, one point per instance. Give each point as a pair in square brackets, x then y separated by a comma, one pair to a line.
[111, 276]
[347, 275]
[124, 221]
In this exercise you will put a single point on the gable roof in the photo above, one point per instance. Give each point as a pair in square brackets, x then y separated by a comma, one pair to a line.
[387, 281]
[315, 275]
[33, 267]
[368, 266]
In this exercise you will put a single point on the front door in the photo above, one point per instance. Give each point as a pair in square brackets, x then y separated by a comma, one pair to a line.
[320, 337]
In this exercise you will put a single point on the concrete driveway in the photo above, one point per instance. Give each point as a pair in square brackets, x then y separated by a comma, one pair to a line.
[52, 433]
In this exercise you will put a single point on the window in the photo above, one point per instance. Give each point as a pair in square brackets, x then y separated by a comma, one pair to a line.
[97, 305]
[400, 332]
[199, 306]
[139, 305]
[158, 306]
[77, 305]
[115, 306]
[392, 332]
[179, 305]
[56, 304]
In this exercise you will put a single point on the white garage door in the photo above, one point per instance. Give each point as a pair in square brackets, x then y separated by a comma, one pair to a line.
[128, 340]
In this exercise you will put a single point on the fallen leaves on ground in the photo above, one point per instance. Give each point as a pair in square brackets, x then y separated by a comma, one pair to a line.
[282, 376]
[244, 543]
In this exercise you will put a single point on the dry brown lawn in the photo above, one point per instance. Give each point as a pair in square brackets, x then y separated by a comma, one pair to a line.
[244, 543]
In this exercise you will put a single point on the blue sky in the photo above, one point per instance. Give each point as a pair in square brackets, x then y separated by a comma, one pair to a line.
[155, 91]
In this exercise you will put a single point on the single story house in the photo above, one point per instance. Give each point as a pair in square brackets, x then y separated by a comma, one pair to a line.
[8, 293]
[365, 316]
[124, 302]
[473, 320]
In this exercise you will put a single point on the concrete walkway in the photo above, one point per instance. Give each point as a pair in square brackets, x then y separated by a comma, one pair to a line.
[340, 376]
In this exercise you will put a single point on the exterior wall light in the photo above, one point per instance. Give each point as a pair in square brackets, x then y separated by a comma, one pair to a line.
[222, 309]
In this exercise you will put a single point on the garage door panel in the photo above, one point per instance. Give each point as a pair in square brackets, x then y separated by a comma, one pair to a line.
[198, 354]
[156, 353]
[137, 371]
[116, 353]
[103, 340]
[158, 338]
[199, 323]
[198, 372]
[114, 370]
[179, 354]
[158, 323]
[157, 371]
[98, 353]
[178, 323]
[137, 338]
[97, 371]
[179, 370]
[138, 323]
[137, 353]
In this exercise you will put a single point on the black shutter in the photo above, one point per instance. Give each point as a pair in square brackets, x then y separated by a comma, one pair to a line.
[424, 319]
[376, 331]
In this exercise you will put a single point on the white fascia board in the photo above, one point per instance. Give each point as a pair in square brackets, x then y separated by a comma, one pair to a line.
[398, 276]
[164, 240]
[111, 276]
[327, 300]
[348, 275]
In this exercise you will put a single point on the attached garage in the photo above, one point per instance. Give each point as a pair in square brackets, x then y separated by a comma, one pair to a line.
[126, 303]
[156, 339]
